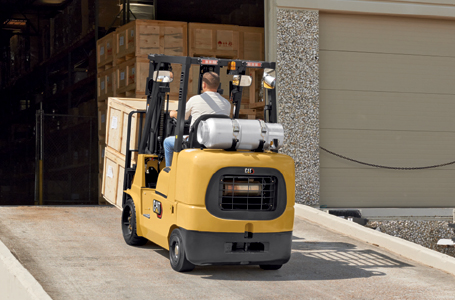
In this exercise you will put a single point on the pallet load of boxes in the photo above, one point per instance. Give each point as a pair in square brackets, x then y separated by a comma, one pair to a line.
[122, 62]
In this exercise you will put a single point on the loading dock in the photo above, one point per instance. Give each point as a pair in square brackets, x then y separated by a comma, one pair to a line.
[79, 253]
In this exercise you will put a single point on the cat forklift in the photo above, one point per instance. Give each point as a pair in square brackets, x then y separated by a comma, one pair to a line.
[228, 197]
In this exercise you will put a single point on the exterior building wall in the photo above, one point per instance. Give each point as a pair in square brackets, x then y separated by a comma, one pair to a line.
[298, 77]
[308, 74]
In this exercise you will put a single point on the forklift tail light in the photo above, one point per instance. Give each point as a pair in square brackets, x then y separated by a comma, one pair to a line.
[243, 188]
[231, 66]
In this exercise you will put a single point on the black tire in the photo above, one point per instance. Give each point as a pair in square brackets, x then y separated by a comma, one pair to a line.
[129, 225]
[177, 253]
[270, 267]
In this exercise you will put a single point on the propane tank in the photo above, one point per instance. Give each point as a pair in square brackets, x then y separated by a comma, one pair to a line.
[240, 134]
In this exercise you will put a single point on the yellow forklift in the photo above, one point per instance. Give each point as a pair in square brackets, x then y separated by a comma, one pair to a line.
[228, 197]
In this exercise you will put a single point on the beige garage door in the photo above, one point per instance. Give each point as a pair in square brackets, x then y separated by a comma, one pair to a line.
[387, 97]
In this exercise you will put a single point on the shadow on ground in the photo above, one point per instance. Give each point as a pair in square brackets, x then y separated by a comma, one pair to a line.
[311, 261]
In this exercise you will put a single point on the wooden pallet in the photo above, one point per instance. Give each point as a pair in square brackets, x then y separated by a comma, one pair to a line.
[140, 38]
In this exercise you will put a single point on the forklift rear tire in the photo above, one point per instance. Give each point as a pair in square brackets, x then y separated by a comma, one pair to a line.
[270, 267]
[177, 253]
[129, 225]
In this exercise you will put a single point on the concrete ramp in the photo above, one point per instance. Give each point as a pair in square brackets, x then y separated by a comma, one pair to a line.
[79, 253]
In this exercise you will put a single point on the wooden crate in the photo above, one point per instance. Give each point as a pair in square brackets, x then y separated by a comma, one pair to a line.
[256, 100]
[232, 42]
[132, 94]
[252, 45]
[214, 40]
[105, 52]
[113, 175]
[107, 84]
[117, 123]
[226, 41]
[102, 110]
[101, 200]
[101, 148]
[131, 77]
[140, 38]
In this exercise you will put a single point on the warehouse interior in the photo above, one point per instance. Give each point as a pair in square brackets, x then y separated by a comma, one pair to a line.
[51, 123]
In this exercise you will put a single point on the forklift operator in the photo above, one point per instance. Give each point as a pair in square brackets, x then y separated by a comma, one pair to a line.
[209, 102]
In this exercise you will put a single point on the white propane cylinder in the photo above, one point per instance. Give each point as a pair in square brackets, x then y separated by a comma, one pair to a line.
[215, 133]
[220, 133]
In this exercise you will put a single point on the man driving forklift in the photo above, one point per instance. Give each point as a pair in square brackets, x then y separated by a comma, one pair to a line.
[209, 102]
[229, 197]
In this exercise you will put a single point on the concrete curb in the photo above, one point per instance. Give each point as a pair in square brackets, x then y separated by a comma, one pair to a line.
[15, 281]
[397, 245]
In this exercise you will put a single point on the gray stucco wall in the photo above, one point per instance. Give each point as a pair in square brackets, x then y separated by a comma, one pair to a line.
[298, 94]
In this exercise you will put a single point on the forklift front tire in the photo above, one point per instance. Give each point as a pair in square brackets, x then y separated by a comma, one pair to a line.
[177, 253]
[129, 228]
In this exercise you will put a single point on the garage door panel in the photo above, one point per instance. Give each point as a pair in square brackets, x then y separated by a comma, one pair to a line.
[386, 73]
[386, 111]
[381, 34]
[387, 97]
[389, 148]
[387, 188]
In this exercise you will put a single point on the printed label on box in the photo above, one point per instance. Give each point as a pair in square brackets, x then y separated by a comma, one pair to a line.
[121, 42]
[110, 172]
[102, 51]
[114, 123]
[122, 76]
[102, 85]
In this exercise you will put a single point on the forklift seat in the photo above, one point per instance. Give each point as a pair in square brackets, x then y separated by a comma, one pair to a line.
[193, 143]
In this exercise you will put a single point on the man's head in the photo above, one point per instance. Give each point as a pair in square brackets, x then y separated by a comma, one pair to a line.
[210, 82]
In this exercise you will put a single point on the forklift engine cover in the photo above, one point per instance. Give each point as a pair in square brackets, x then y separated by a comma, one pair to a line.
[247, 134]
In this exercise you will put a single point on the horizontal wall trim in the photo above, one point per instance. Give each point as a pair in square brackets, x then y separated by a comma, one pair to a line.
[438, 9]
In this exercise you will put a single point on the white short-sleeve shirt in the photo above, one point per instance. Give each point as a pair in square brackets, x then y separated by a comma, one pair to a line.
[205, 104]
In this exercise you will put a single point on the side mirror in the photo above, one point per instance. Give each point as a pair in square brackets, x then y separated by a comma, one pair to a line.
[163, 76]
[242, 80]
[268, 79]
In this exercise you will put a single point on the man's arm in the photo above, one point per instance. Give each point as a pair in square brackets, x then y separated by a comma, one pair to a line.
[174, 113]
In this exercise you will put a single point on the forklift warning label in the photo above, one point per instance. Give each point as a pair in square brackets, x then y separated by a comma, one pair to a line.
[157, 208]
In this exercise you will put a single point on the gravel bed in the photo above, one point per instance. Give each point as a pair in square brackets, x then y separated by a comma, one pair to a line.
[425, 233]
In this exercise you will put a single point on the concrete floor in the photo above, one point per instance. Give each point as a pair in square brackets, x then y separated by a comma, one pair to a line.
[79, 253]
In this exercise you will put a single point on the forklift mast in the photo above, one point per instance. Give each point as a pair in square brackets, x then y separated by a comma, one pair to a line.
[156, 93]
[150, 136]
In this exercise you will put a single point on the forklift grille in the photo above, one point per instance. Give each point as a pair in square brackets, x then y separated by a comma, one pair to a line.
[248, 193]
